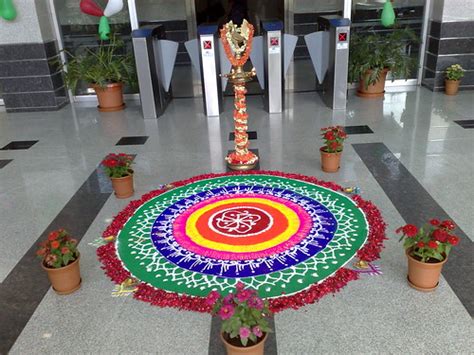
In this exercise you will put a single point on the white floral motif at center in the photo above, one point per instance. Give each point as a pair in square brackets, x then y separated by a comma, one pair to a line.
[235, 220]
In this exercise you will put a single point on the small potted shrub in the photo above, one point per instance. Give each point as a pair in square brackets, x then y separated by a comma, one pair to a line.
[105, 69]
[454, 73]
[118, 168]
[372, 56]
[333, 137]
[60, 259]
[244, 320]
[427, 250]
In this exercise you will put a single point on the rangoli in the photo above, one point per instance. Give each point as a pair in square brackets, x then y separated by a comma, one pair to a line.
[287, 236]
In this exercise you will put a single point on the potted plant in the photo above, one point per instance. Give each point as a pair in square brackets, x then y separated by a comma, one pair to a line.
[117, 167]
[105, 69]
[60, 258]
[454, 73]
[427, 250]
[372, 56]
[333, 137]
[244, 320]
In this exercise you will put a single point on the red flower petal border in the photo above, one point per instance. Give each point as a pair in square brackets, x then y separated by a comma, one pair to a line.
[369, 252]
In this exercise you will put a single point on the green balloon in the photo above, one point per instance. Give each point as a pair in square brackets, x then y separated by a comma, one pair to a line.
[388, 15]
[104, 28]
[7, 10]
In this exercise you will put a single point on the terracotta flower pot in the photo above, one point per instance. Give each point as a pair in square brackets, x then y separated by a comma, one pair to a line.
[423, 276]
[451, 87]
[66, 279]
[373, 90]
[257, 349]
[123, 186]
[110, 97]
[330, 162]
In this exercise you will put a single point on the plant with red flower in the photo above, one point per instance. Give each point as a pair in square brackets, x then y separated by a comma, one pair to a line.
[58, 250]
[118, 165]
[430, 243]
[448, 225]
[434, 222]
[244, 314]
[409, 230]
[333, 137]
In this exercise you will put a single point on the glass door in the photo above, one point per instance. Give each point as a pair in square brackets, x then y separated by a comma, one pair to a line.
[79, 31]
[409, 13]
[177, 18]
[302, 19]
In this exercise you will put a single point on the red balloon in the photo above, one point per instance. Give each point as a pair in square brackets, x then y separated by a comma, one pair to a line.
[89, 7]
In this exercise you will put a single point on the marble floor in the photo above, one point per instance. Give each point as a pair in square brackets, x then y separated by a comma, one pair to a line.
[417, 162]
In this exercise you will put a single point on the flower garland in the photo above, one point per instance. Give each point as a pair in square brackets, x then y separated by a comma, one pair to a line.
[114, 269]
[241, 155]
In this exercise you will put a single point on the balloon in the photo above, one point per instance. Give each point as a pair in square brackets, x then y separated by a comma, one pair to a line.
[7, 10]
[89, 7]
[388, 15]
[104, 28]
[113, 7]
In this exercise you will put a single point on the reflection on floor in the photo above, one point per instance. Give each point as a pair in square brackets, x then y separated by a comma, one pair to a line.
[413, 133]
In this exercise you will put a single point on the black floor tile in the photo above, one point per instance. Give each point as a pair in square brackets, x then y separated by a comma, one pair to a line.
[17, 145]
[357, 129]
[417, 206]
[257, 167]
[465, 123]
[25, 286]
[252, 135]
[4, 162]
[132, 140]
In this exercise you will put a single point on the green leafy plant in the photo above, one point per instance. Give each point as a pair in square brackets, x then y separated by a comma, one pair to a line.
[244, 314]
[118, 165]
[370, 55]
[454, 72]
[333, 137]
[432, 242]
[59, 250]
[100, 66]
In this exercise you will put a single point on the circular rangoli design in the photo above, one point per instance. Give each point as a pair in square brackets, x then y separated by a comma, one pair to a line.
[279, 234]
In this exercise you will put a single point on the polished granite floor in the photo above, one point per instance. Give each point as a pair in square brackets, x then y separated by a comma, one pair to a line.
[417, 161]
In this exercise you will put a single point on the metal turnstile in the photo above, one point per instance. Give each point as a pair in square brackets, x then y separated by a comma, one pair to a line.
[208, 43]
[273, 65]
[154, 58]
[271, 56]
[329, 51]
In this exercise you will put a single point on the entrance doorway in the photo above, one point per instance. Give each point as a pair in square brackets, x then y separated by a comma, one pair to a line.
[222, 11]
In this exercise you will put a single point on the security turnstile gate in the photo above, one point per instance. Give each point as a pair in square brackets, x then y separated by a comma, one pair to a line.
[154, 58]
[329, 51]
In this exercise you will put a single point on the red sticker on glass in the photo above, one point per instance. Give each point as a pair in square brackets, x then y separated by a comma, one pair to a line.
[343, 37]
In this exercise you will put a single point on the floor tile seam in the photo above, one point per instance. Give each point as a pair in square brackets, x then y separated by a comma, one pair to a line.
[103, 197]
[460, 291]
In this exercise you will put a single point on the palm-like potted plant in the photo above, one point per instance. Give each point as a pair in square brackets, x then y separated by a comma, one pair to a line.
[103, 68]
[372, 56]
[454, 74]
[60, 258]
[244, 320]
[118, 168]
[331, 152]
[427, 250]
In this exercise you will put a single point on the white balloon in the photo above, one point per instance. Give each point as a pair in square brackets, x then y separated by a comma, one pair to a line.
[113, 7]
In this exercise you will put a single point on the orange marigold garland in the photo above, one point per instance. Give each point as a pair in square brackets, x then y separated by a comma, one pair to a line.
[237, 42]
